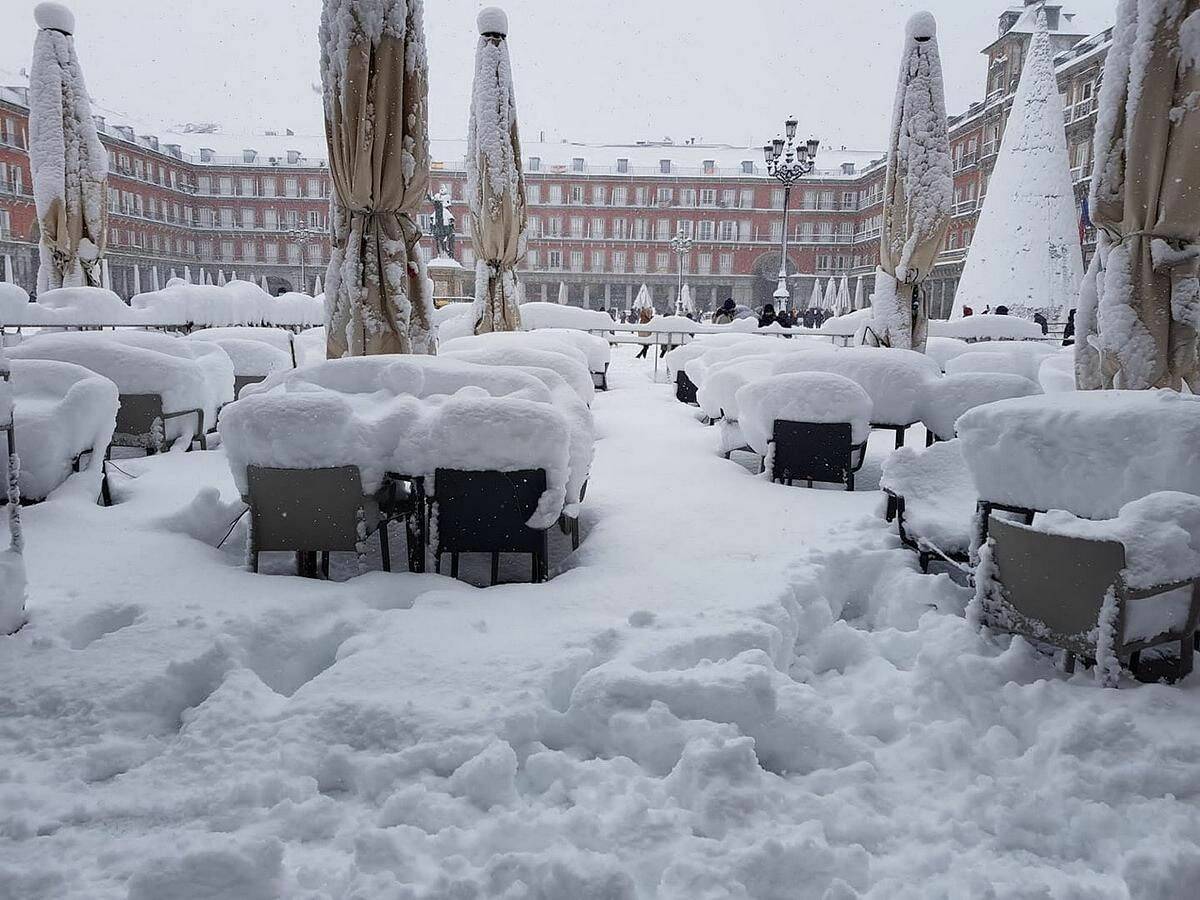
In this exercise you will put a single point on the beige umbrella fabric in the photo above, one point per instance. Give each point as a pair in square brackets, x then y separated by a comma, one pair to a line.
[917, 192]
[495, 183]
[1145, 200]
[374, 72]
[68, 162]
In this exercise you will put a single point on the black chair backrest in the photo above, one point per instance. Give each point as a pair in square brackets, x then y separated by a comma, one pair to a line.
[811, 450]
[137, 415]
[685, 390]
[305, 509]
[240, 381]
[486, 511]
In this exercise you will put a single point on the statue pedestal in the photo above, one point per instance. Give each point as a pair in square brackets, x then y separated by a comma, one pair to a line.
[450, 280]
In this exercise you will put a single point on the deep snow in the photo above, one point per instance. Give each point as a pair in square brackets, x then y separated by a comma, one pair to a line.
[733, 689]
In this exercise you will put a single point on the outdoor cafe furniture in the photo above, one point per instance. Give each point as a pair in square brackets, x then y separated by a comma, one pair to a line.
[253, 360]
[947, 398]
[1086, 452]
[718, 397]
[895, 380]
[62, 413]
[526, 348]
[1013, 357]
[1103, 591]
[807, 426]
[931, 497]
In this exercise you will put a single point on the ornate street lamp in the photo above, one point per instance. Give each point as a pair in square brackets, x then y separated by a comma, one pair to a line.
[302, 236]
[682, 245]
[788, 162]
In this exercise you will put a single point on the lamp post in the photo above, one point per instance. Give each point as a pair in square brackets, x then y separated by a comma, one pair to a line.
[302, 236]
[788, 162]
[682, 245]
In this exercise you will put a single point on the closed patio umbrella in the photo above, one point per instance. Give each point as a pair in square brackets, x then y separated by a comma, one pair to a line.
[154, 284]
[495, 184]
[1145, 201]
[918, 190]
[814, 302]
[843, 297]
[829, 302]
[137, 279]
[70, 167]
[859, 300]
[374, 73]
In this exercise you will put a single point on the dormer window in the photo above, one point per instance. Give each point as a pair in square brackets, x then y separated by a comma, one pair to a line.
[664, 166]
[535, 164]
[623, 165]
[577, 164]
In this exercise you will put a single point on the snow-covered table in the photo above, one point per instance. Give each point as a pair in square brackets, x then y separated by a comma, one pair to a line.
[933, 499]
[948, 398]
[1086, 452]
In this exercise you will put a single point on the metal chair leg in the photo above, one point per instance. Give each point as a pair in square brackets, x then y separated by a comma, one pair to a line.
[453, 565]
[1185, 658]
[325, 564]
[385, 551]
[495, 567]
[899, 438]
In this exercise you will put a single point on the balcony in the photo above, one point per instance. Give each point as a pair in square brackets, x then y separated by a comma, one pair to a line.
[965, 207]
[1079, 111]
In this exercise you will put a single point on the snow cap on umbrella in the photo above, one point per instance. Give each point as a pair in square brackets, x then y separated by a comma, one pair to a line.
[492, 20]
[54, 16]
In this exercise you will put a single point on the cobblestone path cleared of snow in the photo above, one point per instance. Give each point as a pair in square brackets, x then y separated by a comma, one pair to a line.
[732, 690]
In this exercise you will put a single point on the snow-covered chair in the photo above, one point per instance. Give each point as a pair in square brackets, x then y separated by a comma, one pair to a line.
[1099, 590]
[807, 426]
[62, 412]
[253, 359]
[943, 349]
[948, 398]
[1013, 357]
[1056, 373]
[545, 353]
[932, 498]
[895, 380]
[596, 350]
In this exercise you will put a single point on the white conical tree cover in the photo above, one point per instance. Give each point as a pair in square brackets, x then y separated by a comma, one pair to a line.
[814, 302]
[1025, 254]
[68, 162]
[12, 561]
[643, 300]
[562, 293]
[860, 301]
[137, 279]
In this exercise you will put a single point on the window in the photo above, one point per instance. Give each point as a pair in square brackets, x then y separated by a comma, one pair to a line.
[314, 218]
[535, 164]
[576, 260]
[826, 200]
[725, 263]
[823, 262]
[640, 262]
[554, 226]
[728, 230]
[620, 196]
[271, 219]
[597, 260]
[687, 197]
[641, 229]
[556, 195]
[554, 259]
[777, 198]
[705, 230]
[206, 249]
[227, 250]
[315, 187]
[597, 228]
[746, 199]
[533, 227]
[618, 229]
[577, 193]
[849, 200]
[598, 193]
[577, 164]
[203, 185]
[247, 217]
[268, 186]
[618, 261]
[293, 218]
[226, 217]
[708, 197]
[951, 240]
[709, 166]
[291, 187]
[531, 259]
[728, 198]
[576, 226]
[247, 187]
[249, 251]
[662, 230]
[663, 196]
[664, 166]
[622, 165]
[686, 227]
[641, 194]
[226, 185]
[271, 251]
[533, 194]
[776, 232]
[703, 263]
[660, 262]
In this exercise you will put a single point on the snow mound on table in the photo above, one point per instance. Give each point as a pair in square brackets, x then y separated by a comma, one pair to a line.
[595, 348]
[235, 303]
[1088, 452]
[896, 380]
[456, 327]
[678, 358]
[672, 330]
[536, 316]
[61, 411]
[186, 374]
[82, 306]
[744, 324]
[572, 367]
[13, 301]
[1161, 534]
[939, 494]
[801, 397]
[698, 366]
[451, 311]
[718, 394]
[985, 327]
[1013, 357]
[1056, 373]
[253, 358]
[293, 308]
[849, 324]
[986, 362]
[948, 398]
[943, 349]
[310, 345]
[276, 337]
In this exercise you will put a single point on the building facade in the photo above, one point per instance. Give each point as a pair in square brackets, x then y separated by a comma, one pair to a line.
[600, 216]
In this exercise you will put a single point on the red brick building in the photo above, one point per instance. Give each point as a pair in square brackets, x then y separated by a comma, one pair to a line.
[601, 216]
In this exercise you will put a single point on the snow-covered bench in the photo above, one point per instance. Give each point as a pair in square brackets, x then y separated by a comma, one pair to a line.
[1103, 590]
[895, 380]
[62, 412]
[1087, 452]
[170, 388]
[810, 426]
[948, 398]
[933, 499]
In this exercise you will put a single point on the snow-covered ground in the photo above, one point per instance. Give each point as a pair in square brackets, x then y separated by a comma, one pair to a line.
[733, 689]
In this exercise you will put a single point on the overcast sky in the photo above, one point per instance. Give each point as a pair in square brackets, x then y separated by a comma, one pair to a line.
[584, 70]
